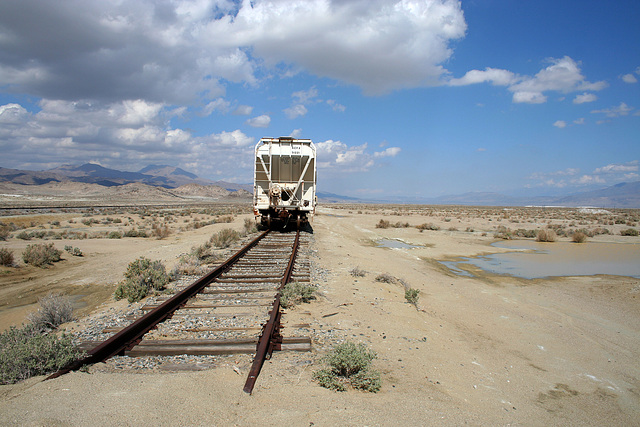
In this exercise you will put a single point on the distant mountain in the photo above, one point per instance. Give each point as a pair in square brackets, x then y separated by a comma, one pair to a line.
[167, 171]
[623, 195]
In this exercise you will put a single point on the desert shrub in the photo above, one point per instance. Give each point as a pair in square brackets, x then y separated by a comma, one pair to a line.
[357, 272]
[529, 234]
[629, 232]
[23, 235]
[6, 257]
[26, 352]
[189, 265]
[41, 255]
[504, 233]
[73, 251]
[411, 295]
[250, 226]
[401, 225]
[546, 236]
[295, 293]
[427, 226]
[142, 276]
[160, 231]
[4, 231]
[135, 233]
[224, 238]
[225, 219]
[114, 235]
[55, 309]
[383, 224]
[349, 364]
[579, 237]
[385, 278]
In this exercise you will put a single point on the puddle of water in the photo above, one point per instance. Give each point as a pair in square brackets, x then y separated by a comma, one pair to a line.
[394, 244]
[557, 259]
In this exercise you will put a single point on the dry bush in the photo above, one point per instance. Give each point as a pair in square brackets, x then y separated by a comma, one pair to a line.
[250, 226]
[579, 237]
[160, 231]
[546, 236]
[357, 272]
[6, 257]
[55, 309]
[427, 226]
[226, 219]
[383, 224]
[385, 278]
[41, 255]
[224, 238]
[4, 231]
[629, 232]
[189, 265]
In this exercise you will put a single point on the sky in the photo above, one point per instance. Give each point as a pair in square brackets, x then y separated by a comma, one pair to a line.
[401, 97]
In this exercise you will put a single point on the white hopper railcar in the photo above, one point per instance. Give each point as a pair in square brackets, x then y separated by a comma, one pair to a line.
[284, 180]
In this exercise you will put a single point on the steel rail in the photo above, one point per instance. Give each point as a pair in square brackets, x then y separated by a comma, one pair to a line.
[271, 329]
[129, 336]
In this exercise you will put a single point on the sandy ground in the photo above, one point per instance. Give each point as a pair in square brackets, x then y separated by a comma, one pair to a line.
[483, 350]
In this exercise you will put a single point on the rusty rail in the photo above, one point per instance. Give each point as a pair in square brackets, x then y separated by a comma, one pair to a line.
[270, 338]
[129, 336]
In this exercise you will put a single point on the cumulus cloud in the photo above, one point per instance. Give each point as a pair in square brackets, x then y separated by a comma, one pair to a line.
[389, 152]
[262, 121]
[175, 52]
[563, 75]
[295, 111]
[560, 124]
[621, 110]
[243, 110]
[584, 98]
[336, 106]
[125, 135]
[629, 78]
[341, 158]
[606, 175]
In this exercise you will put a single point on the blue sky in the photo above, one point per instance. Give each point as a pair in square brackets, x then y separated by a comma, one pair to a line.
[405, 98]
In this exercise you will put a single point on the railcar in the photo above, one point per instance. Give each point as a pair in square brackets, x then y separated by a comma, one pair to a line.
[284, 188]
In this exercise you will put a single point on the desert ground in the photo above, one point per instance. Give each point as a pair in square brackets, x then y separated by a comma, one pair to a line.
[478, 349]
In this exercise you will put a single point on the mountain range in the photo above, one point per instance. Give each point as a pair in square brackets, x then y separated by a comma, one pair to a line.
[622, 195]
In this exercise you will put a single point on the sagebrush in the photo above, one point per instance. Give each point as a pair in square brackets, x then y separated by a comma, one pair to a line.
[142, 276]
[295, 293]
[41, 255]
[349, 364]
[26, 352]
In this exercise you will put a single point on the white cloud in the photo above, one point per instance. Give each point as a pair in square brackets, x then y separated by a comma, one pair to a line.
[124, 135]
[621, 110]
[629, 78]
[617, 168]
[296, 133]
[295, 111]
[336, 106]
[495, 76]
[341, 158]
[262, 121]
[563, 75]
[584, 98]
[243, 110]
[579, 121]
[305, 96]
[218, 104]
[560, 124]
[389, 152]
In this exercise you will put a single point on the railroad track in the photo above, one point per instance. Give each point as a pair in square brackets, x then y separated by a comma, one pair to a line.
[233, 309]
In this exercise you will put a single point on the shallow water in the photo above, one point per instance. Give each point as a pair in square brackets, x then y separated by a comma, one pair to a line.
[557, 259]
[394, 244]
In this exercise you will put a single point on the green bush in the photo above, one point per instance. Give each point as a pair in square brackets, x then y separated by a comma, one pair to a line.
[41, 255]
[411, 295]
[55, 309]
[73, 251]
[23, 235]
[629, 232]
[295, 293]
[114, 235]
[26, 352]
[224, 238]
[349, 363]
[6, 257]
[142, 276]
